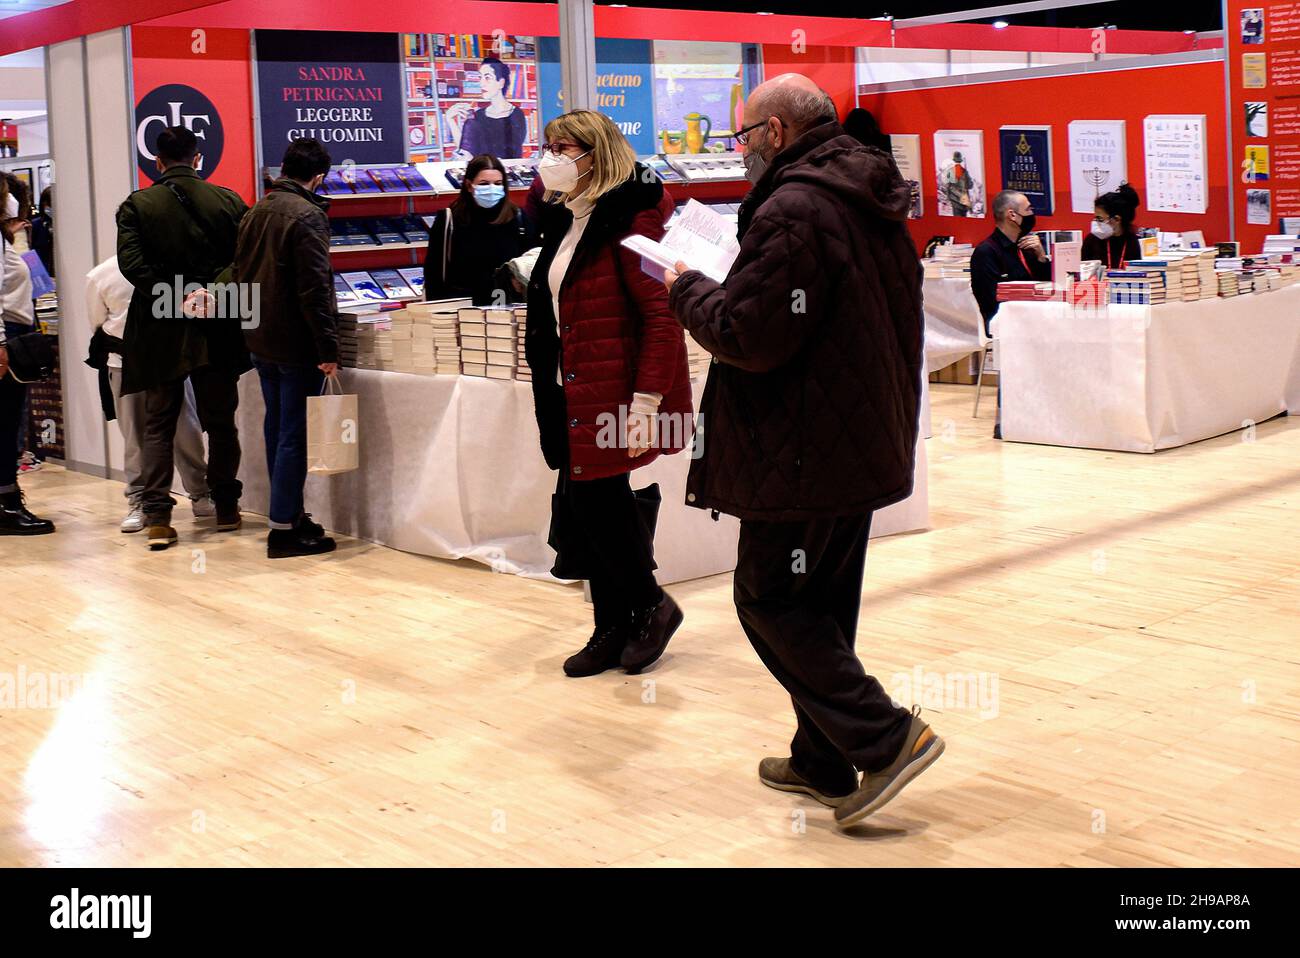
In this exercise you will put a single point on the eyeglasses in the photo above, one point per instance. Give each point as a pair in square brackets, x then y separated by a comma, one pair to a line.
[557, 149]
[742, 136]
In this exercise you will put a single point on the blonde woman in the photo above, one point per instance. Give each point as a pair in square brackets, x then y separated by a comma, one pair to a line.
[610, 381]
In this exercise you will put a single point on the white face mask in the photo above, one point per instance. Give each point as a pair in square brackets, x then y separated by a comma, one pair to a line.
[1102, 231]
[560, 173]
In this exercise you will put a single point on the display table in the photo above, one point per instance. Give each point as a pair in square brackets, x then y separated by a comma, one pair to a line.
[953, 326]
[451, 467]
[1142, 378]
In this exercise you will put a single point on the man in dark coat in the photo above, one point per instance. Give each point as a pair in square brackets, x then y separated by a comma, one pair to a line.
[284, 251]
[172, 236]
[810, 419]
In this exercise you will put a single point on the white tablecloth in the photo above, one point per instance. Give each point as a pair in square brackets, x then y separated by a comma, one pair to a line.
[451, 467]
[1139, 378]
[953, 326]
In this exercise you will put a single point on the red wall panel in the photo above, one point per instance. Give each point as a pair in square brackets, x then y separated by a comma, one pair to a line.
[831, 68]
[1128, 95]
[164, 55]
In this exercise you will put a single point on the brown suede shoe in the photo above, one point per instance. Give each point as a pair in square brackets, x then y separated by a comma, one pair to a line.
[161, 536]
[921, 748]
[779, 774]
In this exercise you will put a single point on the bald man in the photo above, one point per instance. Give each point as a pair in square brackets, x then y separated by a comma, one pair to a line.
[810, 425]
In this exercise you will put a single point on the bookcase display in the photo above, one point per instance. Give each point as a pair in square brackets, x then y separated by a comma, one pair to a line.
[469, 94]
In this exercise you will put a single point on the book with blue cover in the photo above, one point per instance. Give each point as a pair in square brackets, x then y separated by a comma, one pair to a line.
[414, 277]
[384, 233]
[364, 285]
[392, 284]
[336, 185]
[413, 179]
[343, 293]
[359, 180]
[412, 227]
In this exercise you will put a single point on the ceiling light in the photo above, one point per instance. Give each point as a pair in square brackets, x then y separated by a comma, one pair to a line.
[1000, 24]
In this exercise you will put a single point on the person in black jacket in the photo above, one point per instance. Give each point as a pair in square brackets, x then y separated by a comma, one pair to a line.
[811, 422]
[1114, 240]
[43, 231]
[471, 239]
[284, 249]
[171, 236]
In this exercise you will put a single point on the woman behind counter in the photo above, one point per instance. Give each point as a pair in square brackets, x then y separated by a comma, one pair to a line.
[1114, 239]
[472, 238]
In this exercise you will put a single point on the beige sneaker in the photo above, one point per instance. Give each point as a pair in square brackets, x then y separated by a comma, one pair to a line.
[921, 748]
[160, 537]
[134, 520]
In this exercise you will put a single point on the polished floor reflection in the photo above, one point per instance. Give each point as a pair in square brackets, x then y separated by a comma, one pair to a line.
[1107, 642]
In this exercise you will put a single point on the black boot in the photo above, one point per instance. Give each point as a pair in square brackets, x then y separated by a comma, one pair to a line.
[305, 539]
[652, 627]
[601, 653]
[15, 520]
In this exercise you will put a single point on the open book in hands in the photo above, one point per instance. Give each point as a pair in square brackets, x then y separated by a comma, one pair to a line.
[699, 237]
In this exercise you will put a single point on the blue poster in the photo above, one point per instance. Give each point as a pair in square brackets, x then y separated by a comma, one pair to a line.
[344, 89]
[624, 86]
[1027, 163]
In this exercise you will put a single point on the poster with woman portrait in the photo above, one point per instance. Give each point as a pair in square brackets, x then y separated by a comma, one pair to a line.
[959, 162]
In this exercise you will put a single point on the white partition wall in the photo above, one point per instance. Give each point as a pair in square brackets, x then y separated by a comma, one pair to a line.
[92, 145]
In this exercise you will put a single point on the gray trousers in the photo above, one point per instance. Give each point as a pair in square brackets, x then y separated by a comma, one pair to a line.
[191, 459]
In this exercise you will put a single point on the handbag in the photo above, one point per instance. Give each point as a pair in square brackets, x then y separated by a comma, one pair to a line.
[31, 357]
[574, 556]
[332, 431]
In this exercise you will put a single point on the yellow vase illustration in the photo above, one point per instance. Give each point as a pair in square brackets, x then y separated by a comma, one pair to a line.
[695, 137]
[672, 140]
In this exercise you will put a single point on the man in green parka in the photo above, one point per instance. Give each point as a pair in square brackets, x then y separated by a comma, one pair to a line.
[173, 237]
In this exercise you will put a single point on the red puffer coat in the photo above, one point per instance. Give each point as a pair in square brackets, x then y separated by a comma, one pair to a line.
[617, 336]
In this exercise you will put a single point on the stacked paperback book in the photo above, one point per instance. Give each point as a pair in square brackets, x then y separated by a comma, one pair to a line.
[950, 261]
[522, 372]
[1026, 291]
[1136, 287]
[489, 341]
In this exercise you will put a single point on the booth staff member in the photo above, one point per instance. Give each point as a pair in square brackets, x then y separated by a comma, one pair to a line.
[1114, 240]
[1012, 254]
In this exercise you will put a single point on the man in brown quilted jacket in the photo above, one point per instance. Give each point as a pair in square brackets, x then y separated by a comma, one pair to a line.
[810, 419]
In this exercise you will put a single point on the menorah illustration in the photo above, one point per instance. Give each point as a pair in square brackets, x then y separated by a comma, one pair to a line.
[1096, 177]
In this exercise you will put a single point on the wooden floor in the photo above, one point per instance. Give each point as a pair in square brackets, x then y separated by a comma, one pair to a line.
[1134, 622]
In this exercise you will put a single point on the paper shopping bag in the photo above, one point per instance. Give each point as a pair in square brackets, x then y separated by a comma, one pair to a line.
[332, 431]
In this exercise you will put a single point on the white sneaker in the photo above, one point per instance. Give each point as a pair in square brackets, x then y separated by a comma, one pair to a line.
[134, 520]
[203, 508]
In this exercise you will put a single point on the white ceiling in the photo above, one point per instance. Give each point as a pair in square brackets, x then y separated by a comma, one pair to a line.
[12, 8]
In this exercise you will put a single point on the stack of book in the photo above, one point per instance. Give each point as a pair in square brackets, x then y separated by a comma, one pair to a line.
[1169, 271]
[488, 341]
[1026, 291]
[424, 354]
[522, 370]
[1136, 287]
[1229, 282]
[951, 261]
[436, 323]
[1281, 243]
[347, 335]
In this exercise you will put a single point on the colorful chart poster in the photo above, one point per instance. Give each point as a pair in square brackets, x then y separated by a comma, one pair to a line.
[907, 156]
[469, 93]
[1098, 161]
[959, 179]
[1026, 153]
[1175, 163]
[624, 87]
[344, 89]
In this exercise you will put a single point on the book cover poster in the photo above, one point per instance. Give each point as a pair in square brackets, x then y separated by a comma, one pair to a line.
[1254, 168]
[1256, 118]
[1098, 161]
[344, 89]
[624, 85]
[907, 156]
[1254, 71]
[960, 182]
[1175, 163]
[1259, 207]
[1027, 164]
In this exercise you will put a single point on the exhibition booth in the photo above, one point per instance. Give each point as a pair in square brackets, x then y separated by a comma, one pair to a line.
[403, 93]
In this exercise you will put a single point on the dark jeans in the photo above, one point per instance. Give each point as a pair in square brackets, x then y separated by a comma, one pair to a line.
[216, 397]
[12, 393]
[798, 586]
[285, 390]
[607, 515]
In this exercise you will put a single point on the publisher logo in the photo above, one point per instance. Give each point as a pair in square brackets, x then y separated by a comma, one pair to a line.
[177, 105]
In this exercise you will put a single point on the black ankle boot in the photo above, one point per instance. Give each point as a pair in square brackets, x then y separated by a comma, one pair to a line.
[15, 520]
[652, 627]
[600, 654]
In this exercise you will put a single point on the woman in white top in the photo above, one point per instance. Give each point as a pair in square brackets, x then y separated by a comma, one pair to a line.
[19, 318]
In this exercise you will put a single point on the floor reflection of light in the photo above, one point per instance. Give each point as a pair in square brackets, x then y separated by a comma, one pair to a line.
[65, 783]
